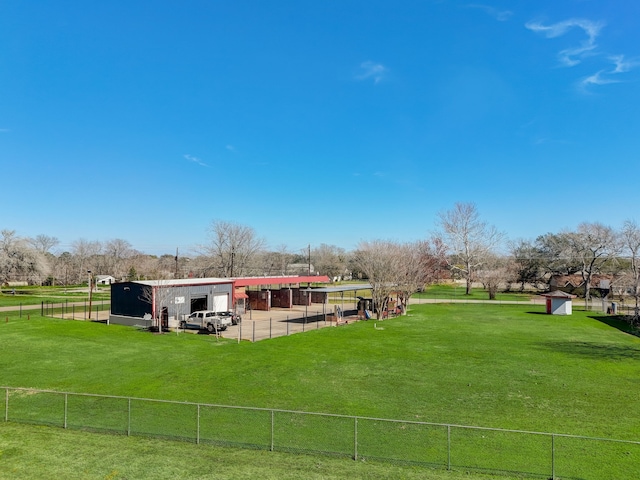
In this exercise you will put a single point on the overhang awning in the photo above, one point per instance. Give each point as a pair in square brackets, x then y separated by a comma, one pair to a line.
[340, 288]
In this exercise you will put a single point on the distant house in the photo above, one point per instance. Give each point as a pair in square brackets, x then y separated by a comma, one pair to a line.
[104, 279]
[575, 283]
[300, 269]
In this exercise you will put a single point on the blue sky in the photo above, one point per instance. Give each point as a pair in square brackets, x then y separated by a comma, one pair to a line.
[315, 121]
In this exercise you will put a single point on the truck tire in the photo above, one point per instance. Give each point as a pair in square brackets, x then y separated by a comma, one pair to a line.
[210, 328]
[183, 325]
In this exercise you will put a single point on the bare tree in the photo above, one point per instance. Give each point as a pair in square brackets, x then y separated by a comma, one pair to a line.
[62, 268]
[630, 237]
[85, 255]
[468, 239]
[232, 247]
[495, 272]
[281, 258]
[378, 260]
[417, 264]
[593, 245]
[329, 260]
[44, 243]
[19, 260]
[117, 252]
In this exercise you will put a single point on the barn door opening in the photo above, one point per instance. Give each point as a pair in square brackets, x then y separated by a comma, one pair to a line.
[198, 303]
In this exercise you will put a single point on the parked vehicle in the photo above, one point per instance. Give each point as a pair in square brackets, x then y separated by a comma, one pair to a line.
[235, 318]
[206, 320]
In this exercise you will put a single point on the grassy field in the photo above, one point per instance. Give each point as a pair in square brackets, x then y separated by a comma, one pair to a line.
[457, 292]
[28, 452]
[486, 365]
[34, 295]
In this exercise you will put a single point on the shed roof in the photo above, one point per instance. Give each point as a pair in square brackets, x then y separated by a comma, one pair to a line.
[558, 294]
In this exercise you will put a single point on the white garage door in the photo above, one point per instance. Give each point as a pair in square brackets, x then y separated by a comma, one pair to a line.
[220, 303]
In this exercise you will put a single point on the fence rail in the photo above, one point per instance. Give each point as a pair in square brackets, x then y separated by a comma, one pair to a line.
[76, 310]
[447, 446]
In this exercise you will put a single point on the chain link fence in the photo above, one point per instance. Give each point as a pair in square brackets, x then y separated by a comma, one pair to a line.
[446, 446]
[98, 311]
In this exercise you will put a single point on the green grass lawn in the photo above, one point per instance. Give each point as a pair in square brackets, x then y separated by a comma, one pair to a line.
[458, 292]
[28, 452]
[35, 295]
[500, 366]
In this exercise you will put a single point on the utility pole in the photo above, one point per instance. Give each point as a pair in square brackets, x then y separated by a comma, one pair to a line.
[176, 274]
[233, 256]
[309, 256]
[90, 283]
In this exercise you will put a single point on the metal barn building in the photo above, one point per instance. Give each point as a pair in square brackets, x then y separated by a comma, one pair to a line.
[134, 303]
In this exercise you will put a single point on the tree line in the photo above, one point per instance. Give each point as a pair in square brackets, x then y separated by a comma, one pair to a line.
[463, 246]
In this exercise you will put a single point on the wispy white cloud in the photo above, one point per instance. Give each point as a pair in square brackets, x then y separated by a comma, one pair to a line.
[231, 148]
[598, 78]
[622, 65]
[575, 55]
[571, 56]
[371, 70]
[608, 76]
[196, 160]
[500, 15]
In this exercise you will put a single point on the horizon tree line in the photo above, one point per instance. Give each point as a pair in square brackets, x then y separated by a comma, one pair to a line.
[463, 247]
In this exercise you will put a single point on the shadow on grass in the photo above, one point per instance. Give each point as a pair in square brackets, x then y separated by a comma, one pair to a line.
[596, 350]
[617, 321]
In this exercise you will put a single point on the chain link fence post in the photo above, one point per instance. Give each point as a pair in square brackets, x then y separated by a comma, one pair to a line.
[198, 426]
[448, 447]
[273, 422]
[553, 457]
[66, 404]
[355, 438]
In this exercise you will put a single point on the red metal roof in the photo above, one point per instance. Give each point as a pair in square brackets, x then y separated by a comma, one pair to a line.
[277, 280]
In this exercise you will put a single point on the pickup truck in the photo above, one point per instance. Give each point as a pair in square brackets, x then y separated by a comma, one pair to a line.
[206, 319]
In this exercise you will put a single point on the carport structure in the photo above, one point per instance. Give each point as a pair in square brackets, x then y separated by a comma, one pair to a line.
[277, 322]
[277, 291]
[325, 292]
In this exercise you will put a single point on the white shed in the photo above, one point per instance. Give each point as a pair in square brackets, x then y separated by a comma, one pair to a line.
[559, 302]
[104, 279]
